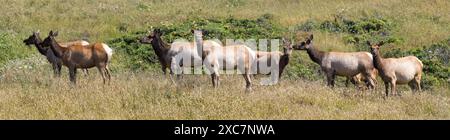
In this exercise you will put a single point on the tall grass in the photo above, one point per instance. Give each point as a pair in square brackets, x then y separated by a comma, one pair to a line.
[31, 92]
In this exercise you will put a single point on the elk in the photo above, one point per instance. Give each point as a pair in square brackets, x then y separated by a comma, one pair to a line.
[230, 57]
[79, 56]
[36, 40]
[393, 71]
[347, 64]
[171, 55]
[264, 61]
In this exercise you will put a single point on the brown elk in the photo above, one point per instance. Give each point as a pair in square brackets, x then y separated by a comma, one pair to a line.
[393, 71]
[36, 40]
[79, 56]
[347, 64]
[160, 47]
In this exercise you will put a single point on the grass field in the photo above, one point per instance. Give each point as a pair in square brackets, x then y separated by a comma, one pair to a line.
[28, 89]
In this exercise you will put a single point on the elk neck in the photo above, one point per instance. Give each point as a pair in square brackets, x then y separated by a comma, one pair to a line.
[315, 55]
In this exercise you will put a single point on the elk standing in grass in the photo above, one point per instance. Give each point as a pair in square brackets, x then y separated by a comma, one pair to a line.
[279, 60]
[171, 55]
[230, 57]
[160, 47]
[395, 71]
[347, 64]
[79, 56]
[36, 40]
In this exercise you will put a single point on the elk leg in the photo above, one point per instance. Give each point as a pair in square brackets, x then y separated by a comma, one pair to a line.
[347, 81]
[164, 70]
[55, 70]
[171, 75]
[86, 72]
[108, 74]
[386, 86]
[393, 87]
[102, 72]
[331, 77]
[217, 78]
[369, 80]
[328, 79]
[59, 66]
[213, 77]
[248, 82]
[72, 75]
[417, 79]
[412, 85]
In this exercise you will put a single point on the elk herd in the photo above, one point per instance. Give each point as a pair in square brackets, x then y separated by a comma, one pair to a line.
[357, 67]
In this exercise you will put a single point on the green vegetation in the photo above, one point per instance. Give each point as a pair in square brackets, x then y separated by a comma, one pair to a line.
[11, 48]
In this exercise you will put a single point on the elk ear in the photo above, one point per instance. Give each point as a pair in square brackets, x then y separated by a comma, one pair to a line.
[381, 43]
[368, 43]
[308, 41]
[205, 32]
[53, 33]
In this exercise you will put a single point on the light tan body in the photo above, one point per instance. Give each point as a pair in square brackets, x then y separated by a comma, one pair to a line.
[347, 64]
[395, 71]
[230, 57]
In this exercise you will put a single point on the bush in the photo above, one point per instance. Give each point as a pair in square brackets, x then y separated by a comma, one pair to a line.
[374, 29]
[357, 31]
[10, 49]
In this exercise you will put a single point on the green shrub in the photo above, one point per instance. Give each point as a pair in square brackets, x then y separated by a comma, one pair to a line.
[11, 48]
[357, 31]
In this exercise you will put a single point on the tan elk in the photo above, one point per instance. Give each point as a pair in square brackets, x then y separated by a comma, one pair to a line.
[180, 53]
[79, 56]
[231, 57]
[274, 61]
[347, 64]
[393, 71]
[36, 40]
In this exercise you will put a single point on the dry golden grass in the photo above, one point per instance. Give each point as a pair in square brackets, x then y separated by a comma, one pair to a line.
[29, 91]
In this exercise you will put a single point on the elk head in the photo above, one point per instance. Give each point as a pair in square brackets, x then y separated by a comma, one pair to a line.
[152, 35]
[305, 45]
[33, 39]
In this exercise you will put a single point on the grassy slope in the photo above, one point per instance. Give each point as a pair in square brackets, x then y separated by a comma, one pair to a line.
[28, 90]
[31, 93]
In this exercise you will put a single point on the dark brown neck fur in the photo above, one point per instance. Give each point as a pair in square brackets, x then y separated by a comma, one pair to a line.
[57, 49]
[41, 49]
[160, 48]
